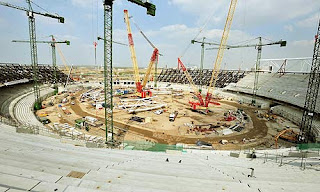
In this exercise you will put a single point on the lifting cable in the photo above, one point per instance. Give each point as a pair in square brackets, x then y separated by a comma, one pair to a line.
[142, 33]
[197, 35]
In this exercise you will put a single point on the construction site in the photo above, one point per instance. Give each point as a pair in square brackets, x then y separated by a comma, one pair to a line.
[189, 113]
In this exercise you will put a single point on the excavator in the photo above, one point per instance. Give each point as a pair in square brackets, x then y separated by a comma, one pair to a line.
[141, 90]
[287, 134]
[201, 103]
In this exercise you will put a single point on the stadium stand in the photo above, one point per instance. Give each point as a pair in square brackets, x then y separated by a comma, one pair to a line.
[287, 90]
[9, 93]
[37, 163]
[290, 88]
[172, 75]
[22, 112]
[16, 72]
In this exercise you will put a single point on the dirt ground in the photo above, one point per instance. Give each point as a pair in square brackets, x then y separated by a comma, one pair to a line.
[257, 132]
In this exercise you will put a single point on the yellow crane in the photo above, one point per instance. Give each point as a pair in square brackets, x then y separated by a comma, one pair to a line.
[139, 86]
[217, 63]
[64, 61]
[223, 43]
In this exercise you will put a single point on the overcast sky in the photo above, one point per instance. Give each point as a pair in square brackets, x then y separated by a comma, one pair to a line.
[176, 23]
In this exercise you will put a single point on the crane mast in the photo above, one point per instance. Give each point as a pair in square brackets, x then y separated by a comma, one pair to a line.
[107, 71]
[306, 134]
[220, 53]
[33, 45]
[53, 43]
[54, 62]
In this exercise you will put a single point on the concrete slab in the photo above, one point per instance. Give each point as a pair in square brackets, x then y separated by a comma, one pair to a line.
[49, 187]
[16, 182]
[3, 189]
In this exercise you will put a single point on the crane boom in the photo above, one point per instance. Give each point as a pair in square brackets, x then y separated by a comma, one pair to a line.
[281, 42]
[61, 19]
[53, 46]
[116, 42]
[64, 61]
[153, 59]
[151, 8]
[33, 45]
[26, 41]
[220, 54]
[196, 91]
[203, 42]
[133, 52]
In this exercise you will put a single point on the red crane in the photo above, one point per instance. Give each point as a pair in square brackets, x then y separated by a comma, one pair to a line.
[217, 64]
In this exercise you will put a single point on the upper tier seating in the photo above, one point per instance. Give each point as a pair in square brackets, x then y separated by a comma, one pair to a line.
[172, 75]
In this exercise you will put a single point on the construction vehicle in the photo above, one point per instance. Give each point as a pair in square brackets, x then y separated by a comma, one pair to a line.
[200, 101]
[173, 116]
[140, 87]
[43, 114]
[287, 134]
[81, 123]
[44, 120]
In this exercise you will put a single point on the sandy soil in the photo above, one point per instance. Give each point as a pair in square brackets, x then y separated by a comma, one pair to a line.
[257, 132]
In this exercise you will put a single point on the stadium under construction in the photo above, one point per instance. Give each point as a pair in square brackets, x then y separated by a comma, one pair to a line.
[158, 128]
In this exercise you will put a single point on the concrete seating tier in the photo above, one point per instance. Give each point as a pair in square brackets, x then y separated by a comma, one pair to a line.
[289, 88]
[38, 163]
[11, 72]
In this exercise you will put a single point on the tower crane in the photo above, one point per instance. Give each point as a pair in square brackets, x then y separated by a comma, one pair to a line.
[257, 66]
[139, 87]
[305, 134]
[202, 54]
[116, 42]
[53, 54]
[217, 64]
[33, 44]
[108, 93]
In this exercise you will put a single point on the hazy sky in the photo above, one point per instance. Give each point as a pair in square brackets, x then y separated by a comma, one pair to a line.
[175, 24]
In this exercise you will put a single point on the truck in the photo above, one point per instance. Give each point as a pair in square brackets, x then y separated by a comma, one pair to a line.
[93, 121]
[43, 114]
[44, 120]
[67, 112]
[173, 115]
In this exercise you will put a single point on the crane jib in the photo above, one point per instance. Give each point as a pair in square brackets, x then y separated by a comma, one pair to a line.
[181, 65]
